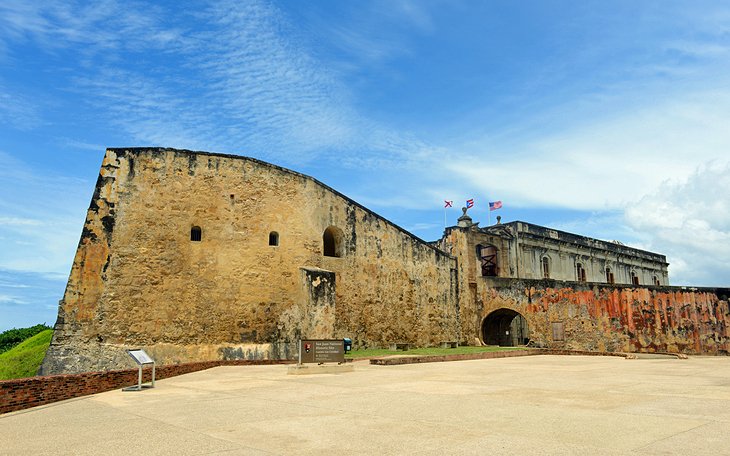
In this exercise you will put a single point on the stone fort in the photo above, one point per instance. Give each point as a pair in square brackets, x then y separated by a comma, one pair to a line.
[202, 256]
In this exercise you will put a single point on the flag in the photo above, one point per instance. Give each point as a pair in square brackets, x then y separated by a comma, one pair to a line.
[448, 203]
[469, 203]
[494, 205]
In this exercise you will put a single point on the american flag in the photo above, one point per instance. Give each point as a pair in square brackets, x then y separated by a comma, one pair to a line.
[448, 203]
[469, 203]
[494, 205]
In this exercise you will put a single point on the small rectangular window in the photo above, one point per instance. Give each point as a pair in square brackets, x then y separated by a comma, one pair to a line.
[545, 268]
[558, 331]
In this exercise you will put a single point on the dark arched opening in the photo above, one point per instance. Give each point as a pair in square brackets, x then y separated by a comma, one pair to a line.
[332, 240]
[196, 234]
[274, 238]
[506, 328]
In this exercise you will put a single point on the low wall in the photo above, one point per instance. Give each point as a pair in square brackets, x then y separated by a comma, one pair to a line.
[30, 392]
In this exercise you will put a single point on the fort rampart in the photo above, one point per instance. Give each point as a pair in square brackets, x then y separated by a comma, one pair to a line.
[196, 256]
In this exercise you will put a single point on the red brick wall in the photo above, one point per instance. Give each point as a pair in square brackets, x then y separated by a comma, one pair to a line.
[24, 393]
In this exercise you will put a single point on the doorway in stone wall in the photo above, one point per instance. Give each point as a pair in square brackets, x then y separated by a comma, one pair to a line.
[506, 328]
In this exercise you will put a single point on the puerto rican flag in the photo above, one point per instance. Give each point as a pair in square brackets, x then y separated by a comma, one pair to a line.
[448, 203]
[494, 205]
[469, 203]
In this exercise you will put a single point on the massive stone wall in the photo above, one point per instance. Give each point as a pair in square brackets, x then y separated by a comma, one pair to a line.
[138, 280]
[601, 317]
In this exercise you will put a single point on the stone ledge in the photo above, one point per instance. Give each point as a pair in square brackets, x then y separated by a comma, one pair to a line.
[307, 369]
[396, 360]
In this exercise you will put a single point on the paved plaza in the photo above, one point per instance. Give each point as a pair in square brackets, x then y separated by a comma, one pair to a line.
[527, 405]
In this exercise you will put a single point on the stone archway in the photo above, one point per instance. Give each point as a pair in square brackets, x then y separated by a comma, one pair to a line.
[506, 328]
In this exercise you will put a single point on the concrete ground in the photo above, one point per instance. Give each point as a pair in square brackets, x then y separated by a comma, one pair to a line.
[528, 405]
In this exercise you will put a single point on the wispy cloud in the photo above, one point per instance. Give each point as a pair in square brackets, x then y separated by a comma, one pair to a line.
[98, 26]
[17, 110]
[7, 299]
[42, 218]
[17, 221]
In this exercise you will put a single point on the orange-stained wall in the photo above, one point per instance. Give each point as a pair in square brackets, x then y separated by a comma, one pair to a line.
[614, 317]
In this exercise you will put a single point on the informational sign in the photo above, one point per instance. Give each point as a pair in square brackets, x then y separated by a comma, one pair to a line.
[140, 356]
[321, 351]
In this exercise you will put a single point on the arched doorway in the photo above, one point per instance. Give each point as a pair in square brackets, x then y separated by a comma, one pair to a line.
[506, 328]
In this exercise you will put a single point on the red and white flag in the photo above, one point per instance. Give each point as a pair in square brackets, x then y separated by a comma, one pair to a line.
[469, 203]
[494, 205]
[448, 203]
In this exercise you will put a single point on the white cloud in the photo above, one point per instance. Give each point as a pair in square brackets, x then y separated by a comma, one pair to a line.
[607, 163]
[690, 223]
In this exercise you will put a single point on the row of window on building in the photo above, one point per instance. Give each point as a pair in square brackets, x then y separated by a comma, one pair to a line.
[580, 274]
[332, 240]
[490, 267]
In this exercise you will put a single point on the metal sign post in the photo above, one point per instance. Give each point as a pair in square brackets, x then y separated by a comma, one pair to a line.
[141, 358]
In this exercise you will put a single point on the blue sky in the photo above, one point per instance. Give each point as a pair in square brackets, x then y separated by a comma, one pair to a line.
[608, 119]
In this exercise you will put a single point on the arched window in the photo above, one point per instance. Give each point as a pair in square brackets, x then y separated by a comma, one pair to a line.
[332, 242]
[609, 276]
[274, 238]
[545, 267]
[580, 273]
[196, 234]
[488, 256]
[656, 281]
[634, 278]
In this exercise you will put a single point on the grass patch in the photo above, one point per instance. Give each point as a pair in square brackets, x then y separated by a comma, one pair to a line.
[375, 352]
[24, 359]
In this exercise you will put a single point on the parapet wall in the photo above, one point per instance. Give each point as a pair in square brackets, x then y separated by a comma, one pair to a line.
[602, 317]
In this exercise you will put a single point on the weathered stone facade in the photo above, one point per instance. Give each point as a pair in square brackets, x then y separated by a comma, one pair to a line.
[139, 280]
[526, 251]
[197, 256]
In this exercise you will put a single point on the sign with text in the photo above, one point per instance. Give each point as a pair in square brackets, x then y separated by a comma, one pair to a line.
[140, 356]
[321, 351]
